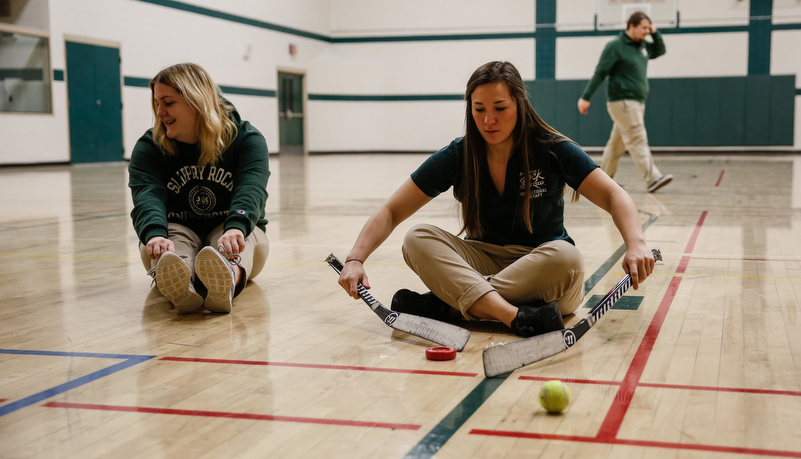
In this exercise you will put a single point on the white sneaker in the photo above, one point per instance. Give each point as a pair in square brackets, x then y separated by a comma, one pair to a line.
[174, 280]
[217, 275]
[659, 183]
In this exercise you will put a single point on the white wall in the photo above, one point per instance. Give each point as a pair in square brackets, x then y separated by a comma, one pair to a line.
[151, 37]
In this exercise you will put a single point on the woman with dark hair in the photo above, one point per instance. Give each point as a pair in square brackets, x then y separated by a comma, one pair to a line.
[198, 181]
[517, 263]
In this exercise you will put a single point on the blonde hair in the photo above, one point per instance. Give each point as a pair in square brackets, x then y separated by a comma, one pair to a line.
[215, 128]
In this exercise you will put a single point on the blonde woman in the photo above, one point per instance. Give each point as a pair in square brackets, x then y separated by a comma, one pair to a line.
[198, 181]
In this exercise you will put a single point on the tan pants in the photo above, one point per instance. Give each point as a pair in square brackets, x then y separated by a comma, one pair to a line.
[460, 272]
[628, 133]
[188, 244]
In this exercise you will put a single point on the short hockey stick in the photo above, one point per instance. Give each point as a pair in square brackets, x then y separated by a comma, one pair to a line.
[506, 357]
[438, 332]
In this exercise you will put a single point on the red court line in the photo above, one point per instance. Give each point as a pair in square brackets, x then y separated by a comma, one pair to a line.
[794, 260]
[620, 405]
[720, 177]
[652, 444]
[315, 365]
[668, 386]
[221, 414]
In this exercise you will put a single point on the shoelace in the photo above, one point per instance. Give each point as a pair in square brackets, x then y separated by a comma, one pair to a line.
[152, 271]
[234, 259]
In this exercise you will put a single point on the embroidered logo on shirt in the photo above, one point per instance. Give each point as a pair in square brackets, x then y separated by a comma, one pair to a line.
[201, 200]
[240, 212]
[537, 184]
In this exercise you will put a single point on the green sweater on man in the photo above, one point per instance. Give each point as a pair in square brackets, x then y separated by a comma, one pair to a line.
[625, 62]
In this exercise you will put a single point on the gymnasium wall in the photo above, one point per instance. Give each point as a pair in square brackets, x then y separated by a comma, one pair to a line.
[388, 76]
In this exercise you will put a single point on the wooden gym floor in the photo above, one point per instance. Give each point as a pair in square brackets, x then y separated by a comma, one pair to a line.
[701, 362]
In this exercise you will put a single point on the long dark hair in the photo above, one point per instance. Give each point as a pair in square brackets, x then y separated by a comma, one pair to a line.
[530, 131]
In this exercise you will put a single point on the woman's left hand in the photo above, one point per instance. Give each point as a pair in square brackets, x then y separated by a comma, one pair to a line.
[639, 262]
[233, 240]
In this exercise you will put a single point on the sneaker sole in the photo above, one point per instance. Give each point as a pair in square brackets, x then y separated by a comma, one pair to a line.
[660, 185]
[213, 271]
[172, 280]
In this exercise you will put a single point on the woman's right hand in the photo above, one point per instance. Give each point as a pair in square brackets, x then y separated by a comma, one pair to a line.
[352, 274]
[157, 246]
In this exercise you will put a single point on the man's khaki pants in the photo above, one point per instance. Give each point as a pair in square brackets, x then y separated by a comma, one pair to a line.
[628, 133]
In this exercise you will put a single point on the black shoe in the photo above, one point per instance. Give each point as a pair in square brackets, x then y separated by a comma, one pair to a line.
[425, 305]
[535, 320]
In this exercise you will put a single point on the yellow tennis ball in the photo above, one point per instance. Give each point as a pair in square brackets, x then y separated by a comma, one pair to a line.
[554, 396]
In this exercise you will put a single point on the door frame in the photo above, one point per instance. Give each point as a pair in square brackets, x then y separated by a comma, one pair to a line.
[84, 40]
[304, 101]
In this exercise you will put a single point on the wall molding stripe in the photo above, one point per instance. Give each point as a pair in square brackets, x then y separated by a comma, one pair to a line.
[235, 18]
[543, 30]
[452, 37]
[386, 98]
[139, 82]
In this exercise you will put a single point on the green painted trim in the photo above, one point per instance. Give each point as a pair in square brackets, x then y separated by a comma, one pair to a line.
[235, 18]
[247, 91]
[786, 27]
[58, 75]
[798, 91]
[545, 45]
[136, 82]
[386, 98]
[139, 82]
[760, 31]
[454, 37]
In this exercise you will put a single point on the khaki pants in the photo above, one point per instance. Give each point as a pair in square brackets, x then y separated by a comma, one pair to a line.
[188, 244]
[628, 133]
[460, 272]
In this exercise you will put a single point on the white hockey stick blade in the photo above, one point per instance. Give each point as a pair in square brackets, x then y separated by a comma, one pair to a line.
[441, 333]
[506, 357]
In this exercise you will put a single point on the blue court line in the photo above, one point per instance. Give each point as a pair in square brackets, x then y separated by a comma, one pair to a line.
[442, 432]
[129, 361]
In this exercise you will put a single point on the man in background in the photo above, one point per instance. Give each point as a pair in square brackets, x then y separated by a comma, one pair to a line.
[625, 62]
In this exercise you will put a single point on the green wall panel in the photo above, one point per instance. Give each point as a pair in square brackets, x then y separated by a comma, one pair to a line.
[707, 127]
[732, 111]
[782, 114]
[756, 110]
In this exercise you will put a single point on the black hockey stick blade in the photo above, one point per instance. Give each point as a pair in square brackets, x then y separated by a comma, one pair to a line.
[506, 357]
[441, 333]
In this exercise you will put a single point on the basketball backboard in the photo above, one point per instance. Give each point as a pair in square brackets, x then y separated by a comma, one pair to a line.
[612, 14]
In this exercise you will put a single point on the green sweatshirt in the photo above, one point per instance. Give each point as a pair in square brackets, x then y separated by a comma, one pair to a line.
[173, 188]
[625, 62]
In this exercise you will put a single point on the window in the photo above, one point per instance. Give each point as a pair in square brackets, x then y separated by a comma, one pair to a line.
[24, 73]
